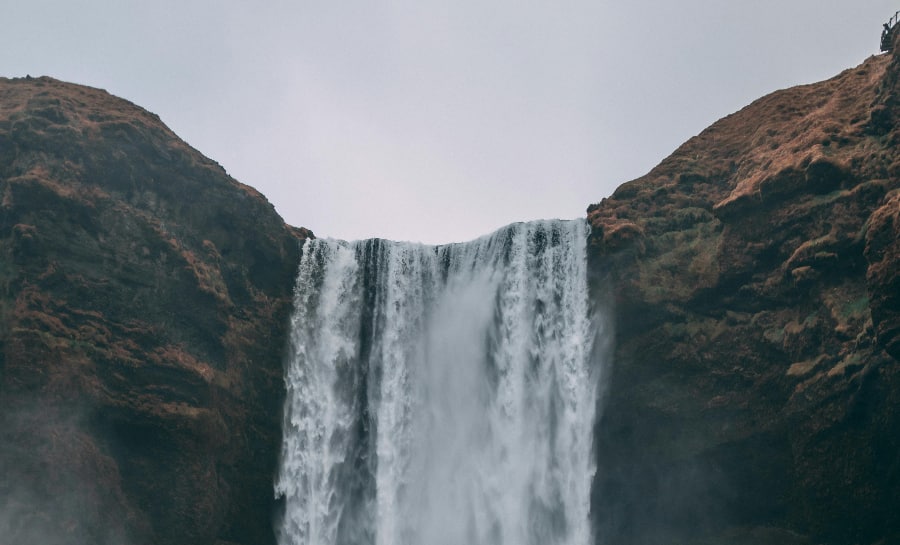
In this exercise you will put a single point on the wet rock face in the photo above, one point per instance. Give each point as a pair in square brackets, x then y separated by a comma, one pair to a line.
[755, 273]
[144, 297]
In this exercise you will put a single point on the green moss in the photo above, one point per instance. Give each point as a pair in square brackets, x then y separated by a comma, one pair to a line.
[855, 308]
[774, 335]
[679, 219]
[684, 261]
[811, 320]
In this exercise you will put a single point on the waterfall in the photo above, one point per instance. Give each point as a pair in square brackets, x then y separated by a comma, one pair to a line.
[441, 395]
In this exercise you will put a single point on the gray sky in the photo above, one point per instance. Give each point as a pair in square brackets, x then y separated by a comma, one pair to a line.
[437, 121]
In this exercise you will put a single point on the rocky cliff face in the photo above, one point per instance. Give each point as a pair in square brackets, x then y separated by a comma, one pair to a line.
[755, 271]
[144, 297]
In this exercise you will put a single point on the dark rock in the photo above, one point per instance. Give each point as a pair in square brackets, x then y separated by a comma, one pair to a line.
[883, 275]
[144, 297]
[755, 382]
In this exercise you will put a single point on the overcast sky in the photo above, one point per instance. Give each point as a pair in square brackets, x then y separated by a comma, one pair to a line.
[437, 121]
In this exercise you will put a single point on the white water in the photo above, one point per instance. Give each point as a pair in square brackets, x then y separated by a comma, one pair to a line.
[441, 395]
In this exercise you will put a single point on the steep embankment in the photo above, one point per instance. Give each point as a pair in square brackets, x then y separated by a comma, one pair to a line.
[143, 304]
[756, 387]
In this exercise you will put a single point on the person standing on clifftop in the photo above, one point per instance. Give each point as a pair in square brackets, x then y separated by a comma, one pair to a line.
[886, 37]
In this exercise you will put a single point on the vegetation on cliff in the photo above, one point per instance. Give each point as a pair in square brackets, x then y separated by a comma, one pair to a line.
[756, 382]
[144, 297]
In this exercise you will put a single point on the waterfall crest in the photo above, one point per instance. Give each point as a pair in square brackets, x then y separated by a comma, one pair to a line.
[441, 395]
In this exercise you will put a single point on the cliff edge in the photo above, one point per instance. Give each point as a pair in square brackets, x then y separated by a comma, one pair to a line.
[144, 297]
[757, 292]
[145, 294]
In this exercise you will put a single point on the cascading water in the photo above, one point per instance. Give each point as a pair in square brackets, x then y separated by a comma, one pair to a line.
[441, 395]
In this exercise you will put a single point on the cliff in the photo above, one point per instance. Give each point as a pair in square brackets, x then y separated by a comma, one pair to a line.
[144, 297]
[755, 388]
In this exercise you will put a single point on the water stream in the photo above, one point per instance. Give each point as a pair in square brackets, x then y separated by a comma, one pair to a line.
[441, 395]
